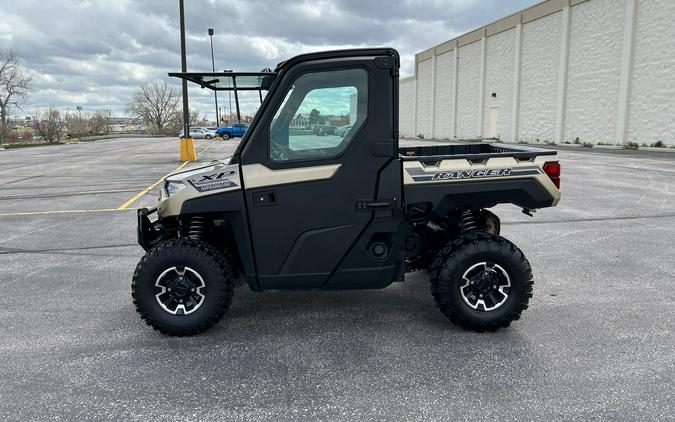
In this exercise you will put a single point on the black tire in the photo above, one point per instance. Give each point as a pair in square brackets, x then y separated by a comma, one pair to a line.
[215, 289]
[208, 137]
[455, 294]
[225, 136]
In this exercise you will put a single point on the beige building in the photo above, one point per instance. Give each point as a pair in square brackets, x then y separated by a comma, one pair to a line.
[600, 71]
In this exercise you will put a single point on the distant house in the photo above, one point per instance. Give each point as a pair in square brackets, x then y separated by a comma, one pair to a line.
[301, 121]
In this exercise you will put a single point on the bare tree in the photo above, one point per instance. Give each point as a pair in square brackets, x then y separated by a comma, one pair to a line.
[14, 87]
[98, 123]
[155, 104]
[176, 124]
[48, 124]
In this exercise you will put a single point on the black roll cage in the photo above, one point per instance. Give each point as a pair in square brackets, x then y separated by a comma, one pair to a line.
[210, 80]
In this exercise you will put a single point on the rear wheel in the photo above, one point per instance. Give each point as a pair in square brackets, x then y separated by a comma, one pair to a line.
[208, 137]
[481, 282]
[182, 287]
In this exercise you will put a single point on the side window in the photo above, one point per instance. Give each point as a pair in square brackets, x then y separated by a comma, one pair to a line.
[319, 116]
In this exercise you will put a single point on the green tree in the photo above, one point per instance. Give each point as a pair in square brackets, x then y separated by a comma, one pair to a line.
[315, 117]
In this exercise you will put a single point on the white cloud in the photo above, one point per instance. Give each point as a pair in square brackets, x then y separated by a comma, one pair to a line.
[95, 52]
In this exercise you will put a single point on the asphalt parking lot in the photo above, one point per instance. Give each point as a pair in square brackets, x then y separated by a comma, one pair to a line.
[596, 343]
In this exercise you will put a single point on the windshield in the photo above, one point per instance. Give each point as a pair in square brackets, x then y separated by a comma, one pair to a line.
[226, 81]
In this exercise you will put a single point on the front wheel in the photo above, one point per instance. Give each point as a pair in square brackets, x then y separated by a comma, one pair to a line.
[182, 287]
[225, 136]
[481, 282]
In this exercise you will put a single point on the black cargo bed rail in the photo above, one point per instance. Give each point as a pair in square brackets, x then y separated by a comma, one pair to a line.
[471, 152]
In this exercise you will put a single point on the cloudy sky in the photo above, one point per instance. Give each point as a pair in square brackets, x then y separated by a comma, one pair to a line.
[95, 53]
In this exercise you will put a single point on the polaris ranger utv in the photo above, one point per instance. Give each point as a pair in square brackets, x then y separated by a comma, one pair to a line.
[295, 210]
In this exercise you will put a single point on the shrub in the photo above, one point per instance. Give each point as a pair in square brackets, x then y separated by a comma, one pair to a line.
[587, 144]
[577, 140]
[632, 145]
[658, 144]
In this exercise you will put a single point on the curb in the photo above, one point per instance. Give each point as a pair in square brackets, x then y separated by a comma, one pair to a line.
[654, 149]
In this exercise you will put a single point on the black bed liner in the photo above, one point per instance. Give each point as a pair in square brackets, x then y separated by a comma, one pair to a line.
[470, 151]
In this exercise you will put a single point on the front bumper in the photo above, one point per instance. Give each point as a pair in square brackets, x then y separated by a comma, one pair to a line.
[147, 232]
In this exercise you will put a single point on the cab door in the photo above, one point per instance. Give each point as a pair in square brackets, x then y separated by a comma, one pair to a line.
[318, 202]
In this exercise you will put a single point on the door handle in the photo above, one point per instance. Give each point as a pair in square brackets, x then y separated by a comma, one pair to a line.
[264, 199]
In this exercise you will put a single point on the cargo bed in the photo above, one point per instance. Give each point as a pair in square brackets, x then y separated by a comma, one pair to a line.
[471, 151]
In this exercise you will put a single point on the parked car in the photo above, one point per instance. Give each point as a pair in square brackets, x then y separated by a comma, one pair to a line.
[343, 130]
[236, 130]
[323, 130]
[199, 133]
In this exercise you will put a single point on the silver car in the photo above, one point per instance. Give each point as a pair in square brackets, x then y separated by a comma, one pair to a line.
[199, 133]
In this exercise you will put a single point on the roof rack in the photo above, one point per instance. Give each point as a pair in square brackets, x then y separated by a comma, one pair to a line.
[230, 81]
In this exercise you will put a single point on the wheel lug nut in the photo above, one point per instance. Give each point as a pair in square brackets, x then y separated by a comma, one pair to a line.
[169, 289]
[192, 290]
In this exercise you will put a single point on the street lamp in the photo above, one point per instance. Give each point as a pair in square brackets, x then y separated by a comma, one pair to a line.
[213, 67]
[229, 94]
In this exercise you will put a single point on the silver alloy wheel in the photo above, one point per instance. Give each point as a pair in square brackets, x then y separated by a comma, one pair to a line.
[179, 290]
[487, 286]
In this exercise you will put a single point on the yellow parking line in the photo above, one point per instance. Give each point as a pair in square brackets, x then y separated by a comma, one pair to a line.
[59, 194]
[154, 185]
[208, 146]
[123, 207]
[148, 189]
[12, 214]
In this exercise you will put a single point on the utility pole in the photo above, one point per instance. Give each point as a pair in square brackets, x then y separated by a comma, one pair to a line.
[213, 68]
[229, 94]
[183, 62]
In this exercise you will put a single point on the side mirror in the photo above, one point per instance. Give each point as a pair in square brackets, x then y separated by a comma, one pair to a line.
[266, 82]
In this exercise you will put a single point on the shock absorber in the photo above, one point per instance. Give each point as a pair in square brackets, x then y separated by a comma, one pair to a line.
[196, 228]
[469, 222]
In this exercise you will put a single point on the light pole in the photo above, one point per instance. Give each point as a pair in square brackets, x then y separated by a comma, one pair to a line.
[229, 94]
[213, 67]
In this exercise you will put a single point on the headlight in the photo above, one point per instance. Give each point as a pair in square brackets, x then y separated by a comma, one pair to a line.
[173, 188]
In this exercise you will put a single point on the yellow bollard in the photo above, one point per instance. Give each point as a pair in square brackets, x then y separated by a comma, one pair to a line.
[187, 150]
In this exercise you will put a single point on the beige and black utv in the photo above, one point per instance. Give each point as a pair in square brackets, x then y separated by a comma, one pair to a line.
[300, 207]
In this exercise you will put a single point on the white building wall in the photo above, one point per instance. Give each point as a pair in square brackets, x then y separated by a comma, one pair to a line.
[586, 96]
[443, 119]
[406, 110]
[424, 106]
[539, 78]
[596, 38]
[499, 70]
[651, 114]
[468, 89]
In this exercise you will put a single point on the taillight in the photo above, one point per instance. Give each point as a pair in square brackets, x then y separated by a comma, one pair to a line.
[552, 170]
